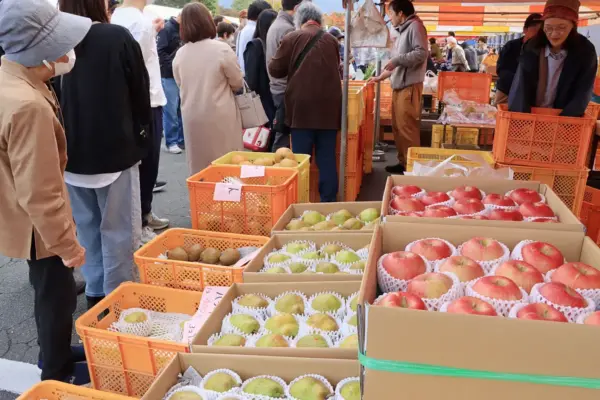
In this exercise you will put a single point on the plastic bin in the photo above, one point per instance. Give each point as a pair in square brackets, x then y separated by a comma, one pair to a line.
[54, 390]
[191, 275]
[464, 136]
[425, 154]
[303, 168]
[542, 138]
[356, 108]
[263, 200]
[590, 212]
[468, 86]
[124, 363]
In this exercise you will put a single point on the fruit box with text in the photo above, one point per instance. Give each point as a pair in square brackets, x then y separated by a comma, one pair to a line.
[477, 343]
[356, 241]
[214, 323]
[567, 220]
[288, 369]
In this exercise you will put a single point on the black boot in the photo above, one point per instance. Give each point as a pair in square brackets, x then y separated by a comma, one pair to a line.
[92, 301]
[397, 169]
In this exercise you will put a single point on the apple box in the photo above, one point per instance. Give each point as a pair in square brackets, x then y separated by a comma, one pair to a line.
[355, 241]
[567, 220]
[286, 368]
[468, 357]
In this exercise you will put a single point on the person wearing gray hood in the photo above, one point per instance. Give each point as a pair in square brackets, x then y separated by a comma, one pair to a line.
[407, 72]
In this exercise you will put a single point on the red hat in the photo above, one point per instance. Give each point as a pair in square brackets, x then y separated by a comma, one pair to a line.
[563, 9]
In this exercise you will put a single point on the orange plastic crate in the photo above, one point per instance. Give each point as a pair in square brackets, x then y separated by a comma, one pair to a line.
[542, 138]
[191, 275]
[123, 363]
[468, 86]
[263, 200]
[54, 390]
[590, 212]
[593, 109]
[597, 86]
[568, 184]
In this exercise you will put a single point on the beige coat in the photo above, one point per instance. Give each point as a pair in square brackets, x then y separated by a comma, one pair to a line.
[207, 73]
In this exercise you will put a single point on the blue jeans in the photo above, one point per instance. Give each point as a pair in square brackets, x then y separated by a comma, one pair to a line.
[172, 123]
[324, 142]
[108, 227]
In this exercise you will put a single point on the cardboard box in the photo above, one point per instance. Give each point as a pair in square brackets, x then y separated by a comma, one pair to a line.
[296, 211]
[492, 344]
[213, 323]
[568, 221]
[356, 241]
[247, 367]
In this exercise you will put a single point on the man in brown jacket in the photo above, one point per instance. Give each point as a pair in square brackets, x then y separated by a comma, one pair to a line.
[35, 216]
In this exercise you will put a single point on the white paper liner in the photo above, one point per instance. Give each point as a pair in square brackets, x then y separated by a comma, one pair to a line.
[593, 294]
[265, 269]
[543, 200]
[488, 266]
[165, 326]
[265, 329]
[251, 342]
[324, 257]
[313, 266]
[463, 284]
[327, 338]
[434, 262]
[267, 264]
[228, 327]
[491, 207]
[213, 395]
[345, 265]
[572, 313]
[272, 310]
[340, 244]
[340, 385]
[305, 327]
[388, 283]
[517, 253]
[189, 388]
[260, 312]
[339, 313]
[502, 306]
[143, 329]
[348, 301]
[348, 329]
[449, 193]
[444, 308]
[532, 219]
[416, 195]
[347, 269]
[190, 377]
[311, 247]
[317, 377]
[582, 317]
[363, 253]
[341, 339]
[260, 397]
[216, 336]
[404, 213]
[232, 395]
[453, 293]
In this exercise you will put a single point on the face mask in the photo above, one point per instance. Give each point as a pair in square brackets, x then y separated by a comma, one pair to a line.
[148, 2]
[62, 68]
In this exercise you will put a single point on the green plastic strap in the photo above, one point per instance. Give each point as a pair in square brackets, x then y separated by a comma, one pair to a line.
[436, 370]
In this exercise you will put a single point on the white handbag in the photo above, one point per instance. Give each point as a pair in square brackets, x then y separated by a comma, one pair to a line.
[251, 109]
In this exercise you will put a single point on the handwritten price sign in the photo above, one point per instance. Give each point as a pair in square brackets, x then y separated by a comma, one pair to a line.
[228, 192]
[252, 171]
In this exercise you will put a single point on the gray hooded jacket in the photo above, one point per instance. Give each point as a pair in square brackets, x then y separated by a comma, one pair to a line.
[409, 53]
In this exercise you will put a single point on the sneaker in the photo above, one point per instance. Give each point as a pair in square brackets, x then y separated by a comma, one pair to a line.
[174, 149]
[80, 375]
[147, 234]
[155, 223]
[159, 186]
[397, 169]
[181, 146]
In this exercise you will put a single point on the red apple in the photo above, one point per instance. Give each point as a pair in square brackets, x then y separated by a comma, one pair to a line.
[533, 210]
[402, 300]
[545, 220]
[406, 190]
[522, 195]
[439, 212]
[521, 273]
[468, 206]
[463, 267]
[471, 305]
[505, 215]
[410, 214]
[432, 249]
[577, 275]
[478, 217]
[499, 200]
[543, 256]
[407, 204]
[431, 285]
[466, 192]
[592, 319]
[542, 312]
[482, 249]
[403, 265]
[434, 198]
[498, 287]
[561, 294]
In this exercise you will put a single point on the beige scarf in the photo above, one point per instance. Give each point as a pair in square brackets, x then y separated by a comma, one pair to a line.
[542, 79]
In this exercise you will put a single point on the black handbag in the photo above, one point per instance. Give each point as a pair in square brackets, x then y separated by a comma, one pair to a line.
[279, 120]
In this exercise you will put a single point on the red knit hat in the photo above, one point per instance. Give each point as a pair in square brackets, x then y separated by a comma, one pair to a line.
[564, 9]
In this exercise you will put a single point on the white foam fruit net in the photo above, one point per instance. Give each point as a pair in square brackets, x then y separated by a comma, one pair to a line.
[454, 293]
[387, 283]
[502, 306]
[488, 266]
[572, 313]
[163, 326]
[432, 263]
[319, 378]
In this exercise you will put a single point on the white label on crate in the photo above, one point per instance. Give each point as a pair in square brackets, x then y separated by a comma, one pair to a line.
[252, 171]
[227, 192]
[211, 297]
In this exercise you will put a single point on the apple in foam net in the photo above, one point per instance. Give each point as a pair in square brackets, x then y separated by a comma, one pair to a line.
[498, 200]
[535, 210]
[577, 275]
[498, 287]
[542, 312]
[521, 273]
[471, 305]
[403, 265]
[543, 256]
[545, 220]
[482, 249]
[592, 319]
[407, 204]
[463, 267]
[522, 195]
[505, 215]
[466, 192]
[432, 249]
[431, 285]
[439, 212]
[406, 190]
[410, 214]
[468, 206]
[432, 198]
[477, 217]
[561, 294]
[402, 300]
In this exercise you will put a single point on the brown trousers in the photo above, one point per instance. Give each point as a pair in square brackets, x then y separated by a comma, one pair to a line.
[406, 119]
[501, 98]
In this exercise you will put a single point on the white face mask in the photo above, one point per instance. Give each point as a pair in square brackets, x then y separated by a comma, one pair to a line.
[63, 68]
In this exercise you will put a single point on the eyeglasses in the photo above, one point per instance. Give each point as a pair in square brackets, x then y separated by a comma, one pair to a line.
[558, 29]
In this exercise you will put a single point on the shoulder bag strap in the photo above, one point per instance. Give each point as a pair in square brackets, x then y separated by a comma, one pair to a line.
[306, 49]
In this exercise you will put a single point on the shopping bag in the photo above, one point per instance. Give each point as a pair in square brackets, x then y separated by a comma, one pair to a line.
[256, 139]
[251, 109]
[430, 84]
[368, 28]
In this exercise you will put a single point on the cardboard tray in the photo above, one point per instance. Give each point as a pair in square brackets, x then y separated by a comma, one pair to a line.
[473, 342]
[246, 367]
[568, 220]
[213, 323]
[356, 240]
[296, 210]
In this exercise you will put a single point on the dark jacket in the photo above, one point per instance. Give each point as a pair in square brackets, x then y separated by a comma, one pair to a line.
[105, 103]
[508, 61]
[471, 56]
[168, 42]
[257, 77]
[313, 98]
[575, 84]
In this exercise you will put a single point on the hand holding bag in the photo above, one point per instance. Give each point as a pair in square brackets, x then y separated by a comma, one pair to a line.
[251, 109]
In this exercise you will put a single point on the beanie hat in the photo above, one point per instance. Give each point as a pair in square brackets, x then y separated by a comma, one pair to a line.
[563, 9]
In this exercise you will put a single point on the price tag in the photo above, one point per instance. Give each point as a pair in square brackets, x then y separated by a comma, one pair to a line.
[211, 297]
[227, 192]
[252, 171]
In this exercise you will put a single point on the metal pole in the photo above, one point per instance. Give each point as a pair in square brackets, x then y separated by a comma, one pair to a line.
[377, 127]
[344, 138]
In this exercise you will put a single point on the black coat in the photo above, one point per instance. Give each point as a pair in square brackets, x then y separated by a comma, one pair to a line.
[575, 84]
[508, 62]
[257, 77]
[168, 42]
